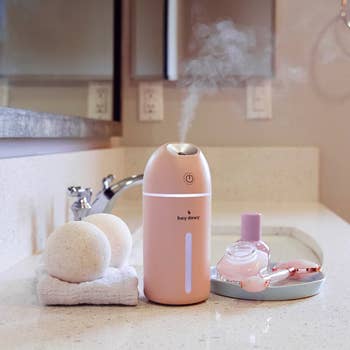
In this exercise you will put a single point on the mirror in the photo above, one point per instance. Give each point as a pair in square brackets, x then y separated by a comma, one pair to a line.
[62, 58]
[163, 39]
[58, 57]
[148, 28]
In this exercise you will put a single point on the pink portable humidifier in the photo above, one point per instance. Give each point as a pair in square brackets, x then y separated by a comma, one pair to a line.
[176, 225]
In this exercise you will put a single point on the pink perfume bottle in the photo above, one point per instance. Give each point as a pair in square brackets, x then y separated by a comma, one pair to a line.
[247, 257]
[251, 231]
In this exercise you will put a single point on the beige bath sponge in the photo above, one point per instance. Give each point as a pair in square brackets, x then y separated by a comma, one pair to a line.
[118, 234]
[77, 252]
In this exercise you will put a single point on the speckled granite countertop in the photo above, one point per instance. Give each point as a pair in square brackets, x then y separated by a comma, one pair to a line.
[320, 322]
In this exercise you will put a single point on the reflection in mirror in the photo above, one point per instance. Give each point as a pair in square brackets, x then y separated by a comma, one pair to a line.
[240, 30]
[164, 41]
[57, 56]
[148, 28]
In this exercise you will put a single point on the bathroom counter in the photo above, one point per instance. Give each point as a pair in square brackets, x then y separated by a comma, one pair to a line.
[319, 322]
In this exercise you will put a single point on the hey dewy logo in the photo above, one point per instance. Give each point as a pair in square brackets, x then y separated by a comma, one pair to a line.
[188, 217]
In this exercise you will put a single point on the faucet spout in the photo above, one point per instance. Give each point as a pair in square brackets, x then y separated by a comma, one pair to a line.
[114, 191]
[105, 199]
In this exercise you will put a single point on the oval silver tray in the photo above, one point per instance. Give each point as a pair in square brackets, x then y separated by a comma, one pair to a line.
[286, 290]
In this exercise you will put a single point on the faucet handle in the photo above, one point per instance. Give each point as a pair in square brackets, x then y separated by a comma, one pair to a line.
[81, 207]
[107, 181]
[80, 192]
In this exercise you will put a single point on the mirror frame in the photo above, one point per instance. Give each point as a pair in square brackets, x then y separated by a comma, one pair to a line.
[19, 123]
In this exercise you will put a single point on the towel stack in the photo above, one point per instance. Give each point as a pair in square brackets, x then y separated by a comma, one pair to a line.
[118, 286]
[85, 262]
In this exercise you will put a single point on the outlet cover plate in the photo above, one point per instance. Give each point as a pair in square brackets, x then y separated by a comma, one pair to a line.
[259, 99]
[100, 100]
[151, 101]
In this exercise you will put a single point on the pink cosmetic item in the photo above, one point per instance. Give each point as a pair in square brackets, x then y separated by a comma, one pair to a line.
[259, 282]
[241, 261]
[303, 267]
[251, 231]
[176, 225]
[296, 269]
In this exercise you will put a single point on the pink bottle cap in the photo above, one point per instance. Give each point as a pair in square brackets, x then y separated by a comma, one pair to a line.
[250, 227]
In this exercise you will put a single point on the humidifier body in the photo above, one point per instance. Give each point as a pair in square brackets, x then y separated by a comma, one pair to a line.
[176, 225]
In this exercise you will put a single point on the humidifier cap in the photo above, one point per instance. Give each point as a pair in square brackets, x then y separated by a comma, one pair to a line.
[177, 168]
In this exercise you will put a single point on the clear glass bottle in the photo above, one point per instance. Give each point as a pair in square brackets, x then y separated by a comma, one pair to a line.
[241, 261]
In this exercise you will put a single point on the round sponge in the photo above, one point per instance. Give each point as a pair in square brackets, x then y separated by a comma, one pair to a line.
[77, 252]
[118, 234]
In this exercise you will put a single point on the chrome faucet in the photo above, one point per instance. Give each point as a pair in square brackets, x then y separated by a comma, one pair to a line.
[105, 199]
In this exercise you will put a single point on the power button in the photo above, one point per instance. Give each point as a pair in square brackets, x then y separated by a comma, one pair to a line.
[188, 178]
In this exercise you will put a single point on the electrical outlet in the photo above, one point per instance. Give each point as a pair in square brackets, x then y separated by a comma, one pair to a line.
[259, 99]
[151, 101]
[4, 92]
[100, 100]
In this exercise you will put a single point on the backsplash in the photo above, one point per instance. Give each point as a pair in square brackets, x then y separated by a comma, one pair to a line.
[280, 174]
[34, 198]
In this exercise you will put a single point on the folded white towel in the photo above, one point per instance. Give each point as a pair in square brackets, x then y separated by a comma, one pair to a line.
[118, 286]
